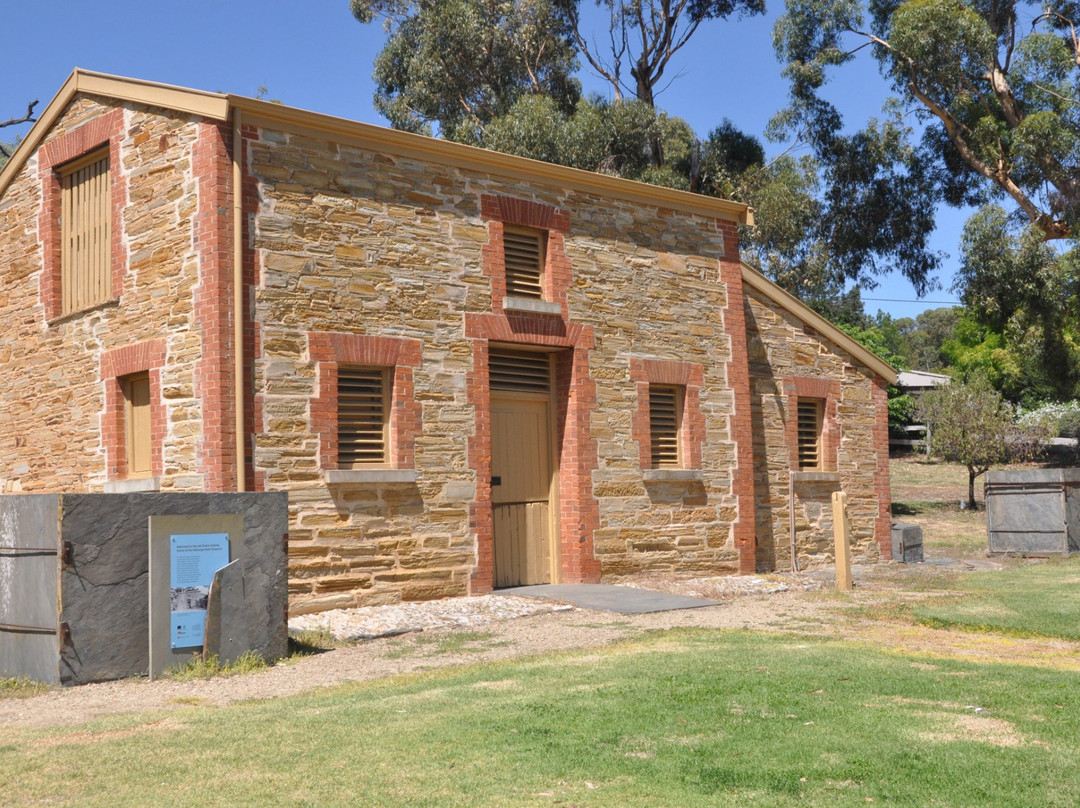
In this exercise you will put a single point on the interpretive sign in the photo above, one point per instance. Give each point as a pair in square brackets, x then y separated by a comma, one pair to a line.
[193, 560]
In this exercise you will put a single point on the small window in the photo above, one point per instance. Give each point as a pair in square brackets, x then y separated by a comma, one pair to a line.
[85, 233]
[362, 416]
[524, 259]
[665, 420]
[809, 414]
[137, 424]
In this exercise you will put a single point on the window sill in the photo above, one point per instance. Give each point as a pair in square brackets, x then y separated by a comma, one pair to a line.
[527, 304]
[71, 315]
[136, 485]
[815, 476]
[672, 475]
[346, 476]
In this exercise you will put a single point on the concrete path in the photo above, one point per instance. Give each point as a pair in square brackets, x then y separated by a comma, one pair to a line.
[609, 598]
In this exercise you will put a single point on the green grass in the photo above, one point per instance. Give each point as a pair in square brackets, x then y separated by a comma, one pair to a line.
[199, 668]
[429, 645]
[1034, 600]
[20, 688]
[677, 719]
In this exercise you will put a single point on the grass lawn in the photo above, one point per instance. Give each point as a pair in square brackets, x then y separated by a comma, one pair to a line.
[685, 718]
[1035, 600]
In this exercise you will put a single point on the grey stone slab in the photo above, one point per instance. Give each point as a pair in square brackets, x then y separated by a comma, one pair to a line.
[609, 598]
[105, 593]
[227, 621]
[102, 591]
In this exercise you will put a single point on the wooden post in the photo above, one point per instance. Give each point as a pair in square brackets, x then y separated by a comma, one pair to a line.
[842, 537]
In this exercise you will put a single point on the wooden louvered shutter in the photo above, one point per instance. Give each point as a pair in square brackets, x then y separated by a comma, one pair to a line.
[519, 372]
[665, 414]
[524, 256]
[362, 416]
[85, 234]
[809, 415]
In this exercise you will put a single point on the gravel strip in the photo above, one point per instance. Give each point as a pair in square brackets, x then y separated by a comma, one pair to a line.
[372, 622]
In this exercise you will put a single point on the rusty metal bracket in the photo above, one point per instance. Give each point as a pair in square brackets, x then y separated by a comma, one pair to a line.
[67, 554]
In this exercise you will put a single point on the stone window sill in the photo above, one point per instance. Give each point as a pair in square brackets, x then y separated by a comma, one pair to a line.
[672, 475]
[815, 476]
[347, 476]
[526, 304]
[72, 315]
[135, 485]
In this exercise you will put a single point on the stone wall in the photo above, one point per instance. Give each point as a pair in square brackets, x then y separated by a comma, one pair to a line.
[51, 382]
[364, 243]
[789, 359]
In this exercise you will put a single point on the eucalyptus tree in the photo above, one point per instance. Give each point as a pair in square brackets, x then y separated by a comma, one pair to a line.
[994, 86]
[455, 65]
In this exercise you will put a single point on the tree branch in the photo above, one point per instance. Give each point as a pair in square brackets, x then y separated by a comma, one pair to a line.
[27, 118]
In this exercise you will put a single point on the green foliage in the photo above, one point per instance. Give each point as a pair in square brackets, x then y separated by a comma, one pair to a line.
[997, 85]
[458, 64]
[923, 338]
[20, 688]
[1025, 296]
[970, 423]
[598, 135]
[209, 667]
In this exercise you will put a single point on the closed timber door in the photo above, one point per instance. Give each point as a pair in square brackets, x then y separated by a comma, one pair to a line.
[521, 471]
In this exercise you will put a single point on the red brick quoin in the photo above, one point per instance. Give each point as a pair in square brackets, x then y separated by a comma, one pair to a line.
[738, 378]
[114, 365]
[103, 131]
[330, 350]
[505, 210]
[575, 391]
[827, 390]
[690, 377]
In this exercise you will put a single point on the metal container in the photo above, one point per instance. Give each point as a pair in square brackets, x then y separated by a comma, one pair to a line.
[1033, 512]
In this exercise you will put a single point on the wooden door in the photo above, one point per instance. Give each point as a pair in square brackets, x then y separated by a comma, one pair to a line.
[521, 490]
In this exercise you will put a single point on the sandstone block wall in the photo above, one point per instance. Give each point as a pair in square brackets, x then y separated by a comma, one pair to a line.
[358, 252]
[352, 241]
[787, 357]
[51, 385]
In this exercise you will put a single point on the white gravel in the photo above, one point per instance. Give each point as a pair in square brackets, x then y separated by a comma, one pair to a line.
[371, 622]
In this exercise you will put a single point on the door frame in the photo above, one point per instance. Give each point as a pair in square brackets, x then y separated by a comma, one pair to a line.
[554, 534]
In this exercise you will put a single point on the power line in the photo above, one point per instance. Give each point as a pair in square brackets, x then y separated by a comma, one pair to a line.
[903, 300]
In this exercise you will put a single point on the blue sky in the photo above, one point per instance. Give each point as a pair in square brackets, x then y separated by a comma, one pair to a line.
[314, 55]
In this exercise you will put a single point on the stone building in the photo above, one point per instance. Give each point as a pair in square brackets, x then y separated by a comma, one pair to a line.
[468, 370]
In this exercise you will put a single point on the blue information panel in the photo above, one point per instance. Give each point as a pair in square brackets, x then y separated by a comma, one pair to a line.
[193, 560]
